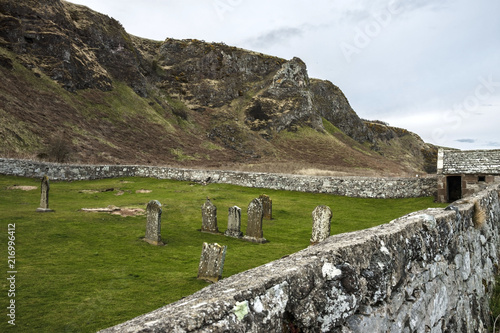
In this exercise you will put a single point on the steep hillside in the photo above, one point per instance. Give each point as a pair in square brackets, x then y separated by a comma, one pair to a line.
[76, 86]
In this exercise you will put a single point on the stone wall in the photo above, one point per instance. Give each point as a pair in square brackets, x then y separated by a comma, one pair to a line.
[363, 187]
[429, 271]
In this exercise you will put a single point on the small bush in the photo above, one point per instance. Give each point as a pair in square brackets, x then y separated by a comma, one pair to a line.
[58, 149]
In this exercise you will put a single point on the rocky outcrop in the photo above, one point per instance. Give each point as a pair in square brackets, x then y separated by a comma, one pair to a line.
[73, 45]
[285, 103]
[196, 91]
[332, 105]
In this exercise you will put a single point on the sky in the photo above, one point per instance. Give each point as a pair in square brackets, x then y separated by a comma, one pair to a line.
[432, 67]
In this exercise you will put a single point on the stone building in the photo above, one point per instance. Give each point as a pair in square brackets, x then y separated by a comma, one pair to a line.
[462, 173]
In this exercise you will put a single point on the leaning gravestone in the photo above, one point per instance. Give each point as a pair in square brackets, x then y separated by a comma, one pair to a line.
[267, 206]
[44, 196]
[211, 262]
[153, 223]
[209, 217]
[322, 216]
[254, 223]
[234, 222]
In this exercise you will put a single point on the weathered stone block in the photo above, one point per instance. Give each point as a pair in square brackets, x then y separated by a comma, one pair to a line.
[153, 223]
[322, 217]
[44, 196]
[209, 217]
[234, 222]
[254, 224]
[211, 262]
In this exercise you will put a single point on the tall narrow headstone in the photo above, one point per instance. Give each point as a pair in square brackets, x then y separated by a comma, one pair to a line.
[209, 217]
[254, 224]
[267, 206]
[211, 262]
[44, 196]
[234, 222]
[322, 216]
[153, 223]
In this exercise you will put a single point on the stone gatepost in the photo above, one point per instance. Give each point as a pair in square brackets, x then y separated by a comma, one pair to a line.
[44, 196]
[209, 218]
[153, 223]
[254, 223]
[267, 206]
[211, 262]
[234, 222]
[322, 216]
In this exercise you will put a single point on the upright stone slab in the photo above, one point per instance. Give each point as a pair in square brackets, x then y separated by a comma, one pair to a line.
[254, 223]
[209, 217]
[234, 222]
[322, 216]
[44, 196]
[153, 223]
[211, 262]
[267, 206]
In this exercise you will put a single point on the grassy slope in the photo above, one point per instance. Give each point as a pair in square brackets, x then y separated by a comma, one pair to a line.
[80, 272]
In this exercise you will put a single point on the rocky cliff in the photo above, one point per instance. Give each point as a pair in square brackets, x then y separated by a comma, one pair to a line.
[76, 86]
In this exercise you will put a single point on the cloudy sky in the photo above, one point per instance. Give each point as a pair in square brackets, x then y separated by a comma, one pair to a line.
[432, 67]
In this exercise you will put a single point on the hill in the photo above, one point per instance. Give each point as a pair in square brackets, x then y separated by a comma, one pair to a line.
[75, 86]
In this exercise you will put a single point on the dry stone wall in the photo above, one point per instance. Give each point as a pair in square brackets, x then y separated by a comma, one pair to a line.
[429, 271]
[363, 187]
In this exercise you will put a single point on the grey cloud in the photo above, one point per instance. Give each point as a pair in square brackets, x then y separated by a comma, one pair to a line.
[493, 144]
[466, 140]
[276, 36]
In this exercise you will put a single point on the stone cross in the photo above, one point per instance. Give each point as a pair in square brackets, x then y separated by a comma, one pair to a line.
[267, 205]
[234, 222]
[153, 223]
[254, 223]
[211, 262]
[322, 216]
[44, 196]
[209, 217]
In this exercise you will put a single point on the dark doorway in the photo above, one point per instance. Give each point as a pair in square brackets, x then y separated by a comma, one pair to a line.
[454, 186]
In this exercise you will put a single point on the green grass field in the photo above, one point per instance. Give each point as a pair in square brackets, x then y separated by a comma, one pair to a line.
[81, 272]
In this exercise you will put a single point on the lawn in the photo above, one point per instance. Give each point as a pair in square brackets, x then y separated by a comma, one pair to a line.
[81, 272]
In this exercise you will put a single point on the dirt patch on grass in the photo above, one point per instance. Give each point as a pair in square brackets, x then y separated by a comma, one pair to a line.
[22, 187]
[143, 191]
[114, 210]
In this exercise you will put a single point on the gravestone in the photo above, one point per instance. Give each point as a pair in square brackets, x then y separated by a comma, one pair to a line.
[211, 262]
[153, 223]
[209, 217]
[234, 222]
[254, 224]
[44, 196]
[267, 206]
[322, 216]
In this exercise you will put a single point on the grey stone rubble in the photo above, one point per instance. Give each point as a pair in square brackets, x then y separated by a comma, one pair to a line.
[429, 271]
[254, 231]
[211, 262]
[322, 217]
[363, 187]
[267, 206]
[44, 196]
[234, 222]
[153, 223]
[209, 217]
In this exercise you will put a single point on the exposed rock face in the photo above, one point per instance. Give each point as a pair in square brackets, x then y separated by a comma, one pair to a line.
[195, 91]
[285, 103]
[74, 46]
[334, 106]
